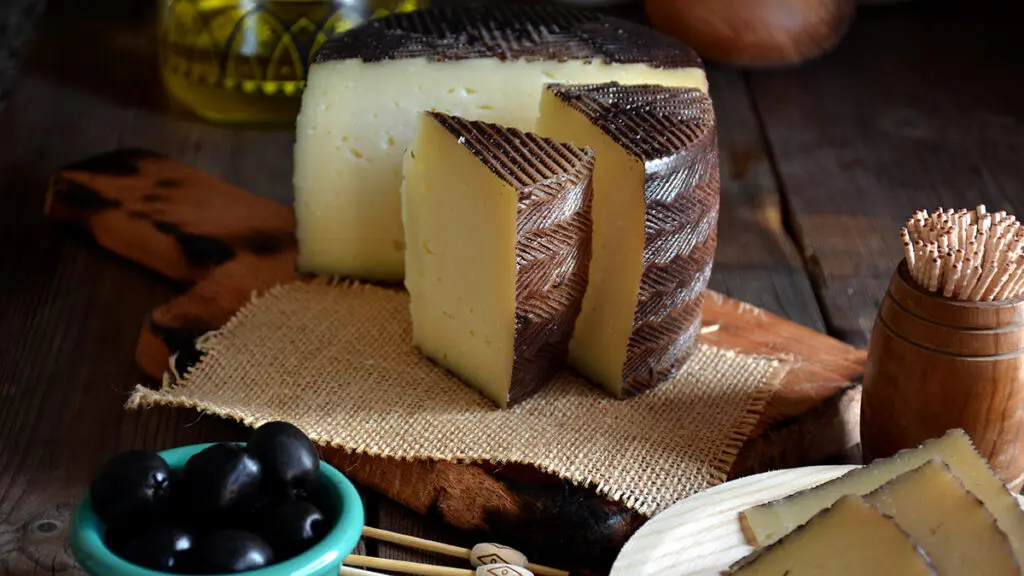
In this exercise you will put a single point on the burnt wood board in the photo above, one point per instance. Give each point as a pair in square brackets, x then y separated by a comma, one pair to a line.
[223, 244]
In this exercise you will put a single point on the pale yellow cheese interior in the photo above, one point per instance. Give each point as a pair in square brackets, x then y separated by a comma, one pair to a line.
[460, 221]
[767, 523]
[605, 323]
[947, 521]
[850, 538]
[357, 120]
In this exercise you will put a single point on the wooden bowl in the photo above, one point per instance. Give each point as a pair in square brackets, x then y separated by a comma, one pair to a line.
[936, 363]
[754, 32]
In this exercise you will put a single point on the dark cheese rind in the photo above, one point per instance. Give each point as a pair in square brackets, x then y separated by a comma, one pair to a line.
[672, 131]
[508, 33]
[553, 228]
[819, 518]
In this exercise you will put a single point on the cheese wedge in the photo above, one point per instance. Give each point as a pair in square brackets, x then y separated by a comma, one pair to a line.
[768, 522]
[498, 229]
[850, 538]
[366, 86]
[950, 523]
[656, 190]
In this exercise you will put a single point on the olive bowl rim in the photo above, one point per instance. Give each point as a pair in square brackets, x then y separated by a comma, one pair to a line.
[96, 559]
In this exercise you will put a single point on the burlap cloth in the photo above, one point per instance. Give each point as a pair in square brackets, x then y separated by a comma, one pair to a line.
[336, 359]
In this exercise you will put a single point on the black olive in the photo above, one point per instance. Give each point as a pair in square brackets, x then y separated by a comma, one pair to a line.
[226, 551]
[220, 480]
[292, 528]
[133, 487]
[162, 548]
[290, 460]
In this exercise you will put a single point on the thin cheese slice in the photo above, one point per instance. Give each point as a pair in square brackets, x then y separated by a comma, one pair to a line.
[950, 523]
[850, 538]
[367, 85]
[656, 187]
[497, 223]
[768, 522]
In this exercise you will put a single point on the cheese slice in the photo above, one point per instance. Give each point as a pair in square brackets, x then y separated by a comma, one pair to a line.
[950, 523]
[490, 63]
[656, 189]
[498, 229]
[850, 538]
[768, 522]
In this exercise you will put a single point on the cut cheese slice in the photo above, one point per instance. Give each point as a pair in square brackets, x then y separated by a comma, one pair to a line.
[950, 523]
[498, 229]
[490, 63]
[850, 538]
[656, 190]
[768, 522]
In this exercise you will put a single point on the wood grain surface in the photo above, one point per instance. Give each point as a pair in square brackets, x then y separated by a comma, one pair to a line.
[919, 107]
[819, 164]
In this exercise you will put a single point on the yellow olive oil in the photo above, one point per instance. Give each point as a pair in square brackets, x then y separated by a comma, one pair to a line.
[245, 61]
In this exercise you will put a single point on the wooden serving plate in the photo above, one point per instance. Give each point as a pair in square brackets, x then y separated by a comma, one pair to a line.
[701, 535]
[224, 244]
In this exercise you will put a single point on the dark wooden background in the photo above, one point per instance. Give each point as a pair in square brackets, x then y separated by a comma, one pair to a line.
[921, 105]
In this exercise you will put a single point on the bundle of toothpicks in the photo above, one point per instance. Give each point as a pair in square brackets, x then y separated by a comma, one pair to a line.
[966, 254]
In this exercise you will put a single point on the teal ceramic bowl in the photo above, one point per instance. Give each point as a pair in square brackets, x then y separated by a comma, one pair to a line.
[323, 559]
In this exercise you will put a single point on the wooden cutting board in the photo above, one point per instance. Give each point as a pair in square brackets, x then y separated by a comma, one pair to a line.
[223, 244]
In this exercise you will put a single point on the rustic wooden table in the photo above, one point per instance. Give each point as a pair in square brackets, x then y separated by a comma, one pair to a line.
[922, 105]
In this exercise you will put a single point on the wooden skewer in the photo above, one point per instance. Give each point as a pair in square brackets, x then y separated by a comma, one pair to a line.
[405, 567]
[445, 549]
[349, 571]
[414, 542]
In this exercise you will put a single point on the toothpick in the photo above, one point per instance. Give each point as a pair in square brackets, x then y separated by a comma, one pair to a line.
[993, 240]
[970, 282]
[908, 248]
[986, 278]
[1018, 285]
[933, 274]
[996, 286]
[951, 279]
[1004, 292]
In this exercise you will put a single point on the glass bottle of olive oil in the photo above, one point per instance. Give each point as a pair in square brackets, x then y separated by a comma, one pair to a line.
[245, 61]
